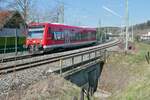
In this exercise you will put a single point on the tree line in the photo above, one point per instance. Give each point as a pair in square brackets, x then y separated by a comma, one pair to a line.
[30, 13]
[142, 26]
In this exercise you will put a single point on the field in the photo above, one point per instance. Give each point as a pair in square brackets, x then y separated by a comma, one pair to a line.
[127, 77]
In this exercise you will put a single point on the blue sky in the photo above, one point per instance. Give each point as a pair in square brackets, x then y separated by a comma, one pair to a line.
[89, 12]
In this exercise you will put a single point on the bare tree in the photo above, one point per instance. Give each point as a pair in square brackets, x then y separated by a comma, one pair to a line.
[28, 10]
[24, 7]
[45, 15]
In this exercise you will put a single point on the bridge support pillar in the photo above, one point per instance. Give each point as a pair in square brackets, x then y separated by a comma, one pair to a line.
[87, 79]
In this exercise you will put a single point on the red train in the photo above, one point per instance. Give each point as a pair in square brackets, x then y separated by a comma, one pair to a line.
[44, 37]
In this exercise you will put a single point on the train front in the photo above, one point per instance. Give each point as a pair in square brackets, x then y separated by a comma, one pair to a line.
[34, 41]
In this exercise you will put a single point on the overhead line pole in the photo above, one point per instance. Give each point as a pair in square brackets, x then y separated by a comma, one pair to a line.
[132, 34]
[127, 25]
[99, 36]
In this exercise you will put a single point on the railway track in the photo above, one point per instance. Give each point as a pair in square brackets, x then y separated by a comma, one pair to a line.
[15, 58]
[22, 66]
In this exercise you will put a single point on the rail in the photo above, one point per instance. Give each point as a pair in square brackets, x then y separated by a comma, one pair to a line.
[20, 57]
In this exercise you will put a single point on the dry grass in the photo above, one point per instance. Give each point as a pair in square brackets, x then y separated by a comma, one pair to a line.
[127, 76]
[53, 88]
[115, 74]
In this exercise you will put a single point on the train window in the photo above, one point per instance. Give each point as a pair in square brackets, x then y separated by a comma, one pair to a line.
[37, 27]
[83, 36]
[58, 35]
[78, 36]
[93, 35]
[89, 35]
[49, 30]
[35, 34]
[73, 36]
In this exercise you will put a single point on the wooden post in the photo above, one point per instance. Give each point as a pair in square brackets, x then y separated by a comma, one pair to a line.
[72, 60]
[105, 56]
[16, 39]
[5, 48]
[60, 67]
[89, 56]
[82, 58]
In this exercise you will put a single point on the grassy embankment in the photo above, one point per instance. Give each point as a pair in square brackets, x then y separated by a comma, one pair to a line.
[127, 77]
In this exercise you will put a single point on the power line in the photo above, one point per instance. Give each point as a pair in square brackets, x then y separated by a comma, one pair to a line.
[63, 6]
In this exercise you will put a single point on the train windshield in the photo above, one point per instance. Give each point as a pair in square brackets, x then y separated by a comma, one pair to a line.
[36, 32]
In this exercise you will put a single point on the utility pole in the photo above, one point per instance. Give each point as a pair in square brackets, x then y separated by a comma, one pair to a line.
[121, 31]
[99, 36]
[106, 31]
[127, 25]
[132, 34]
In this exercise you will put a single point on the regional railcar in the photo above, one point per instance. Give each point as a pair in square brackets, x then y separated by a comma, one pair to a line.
[43, 37]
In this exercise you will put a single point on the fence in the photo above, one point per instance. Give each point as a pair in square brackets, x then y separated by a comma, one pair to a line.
[12, 32]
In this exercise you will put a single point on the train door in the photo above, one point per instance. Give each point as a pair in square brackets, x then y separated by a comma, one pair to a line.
[67, 36]
[49, 36]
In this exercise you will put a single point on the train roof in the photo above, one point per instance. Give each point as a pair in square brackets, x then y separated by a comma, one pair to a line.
[63, 25]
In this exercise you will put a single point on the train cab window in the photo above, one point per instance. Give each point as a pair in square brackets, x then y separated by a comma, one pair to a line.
[35, 33]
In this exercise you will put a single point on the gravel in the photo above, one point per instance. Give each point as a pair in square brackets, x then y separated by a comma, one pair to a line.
[21, 79]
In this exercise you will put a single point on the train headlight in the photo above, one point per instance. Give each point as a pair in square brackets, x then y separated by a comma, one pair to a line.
[34, 41]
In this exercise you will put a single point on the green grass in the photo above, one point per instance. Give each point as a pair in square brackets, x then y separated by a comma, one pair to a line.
[140, 56]
[139, 87]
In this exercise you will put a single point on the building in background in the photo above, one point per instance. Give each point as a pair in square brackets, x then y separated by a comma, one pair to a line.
[10, 22]
[145, 37]
[12, 31]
